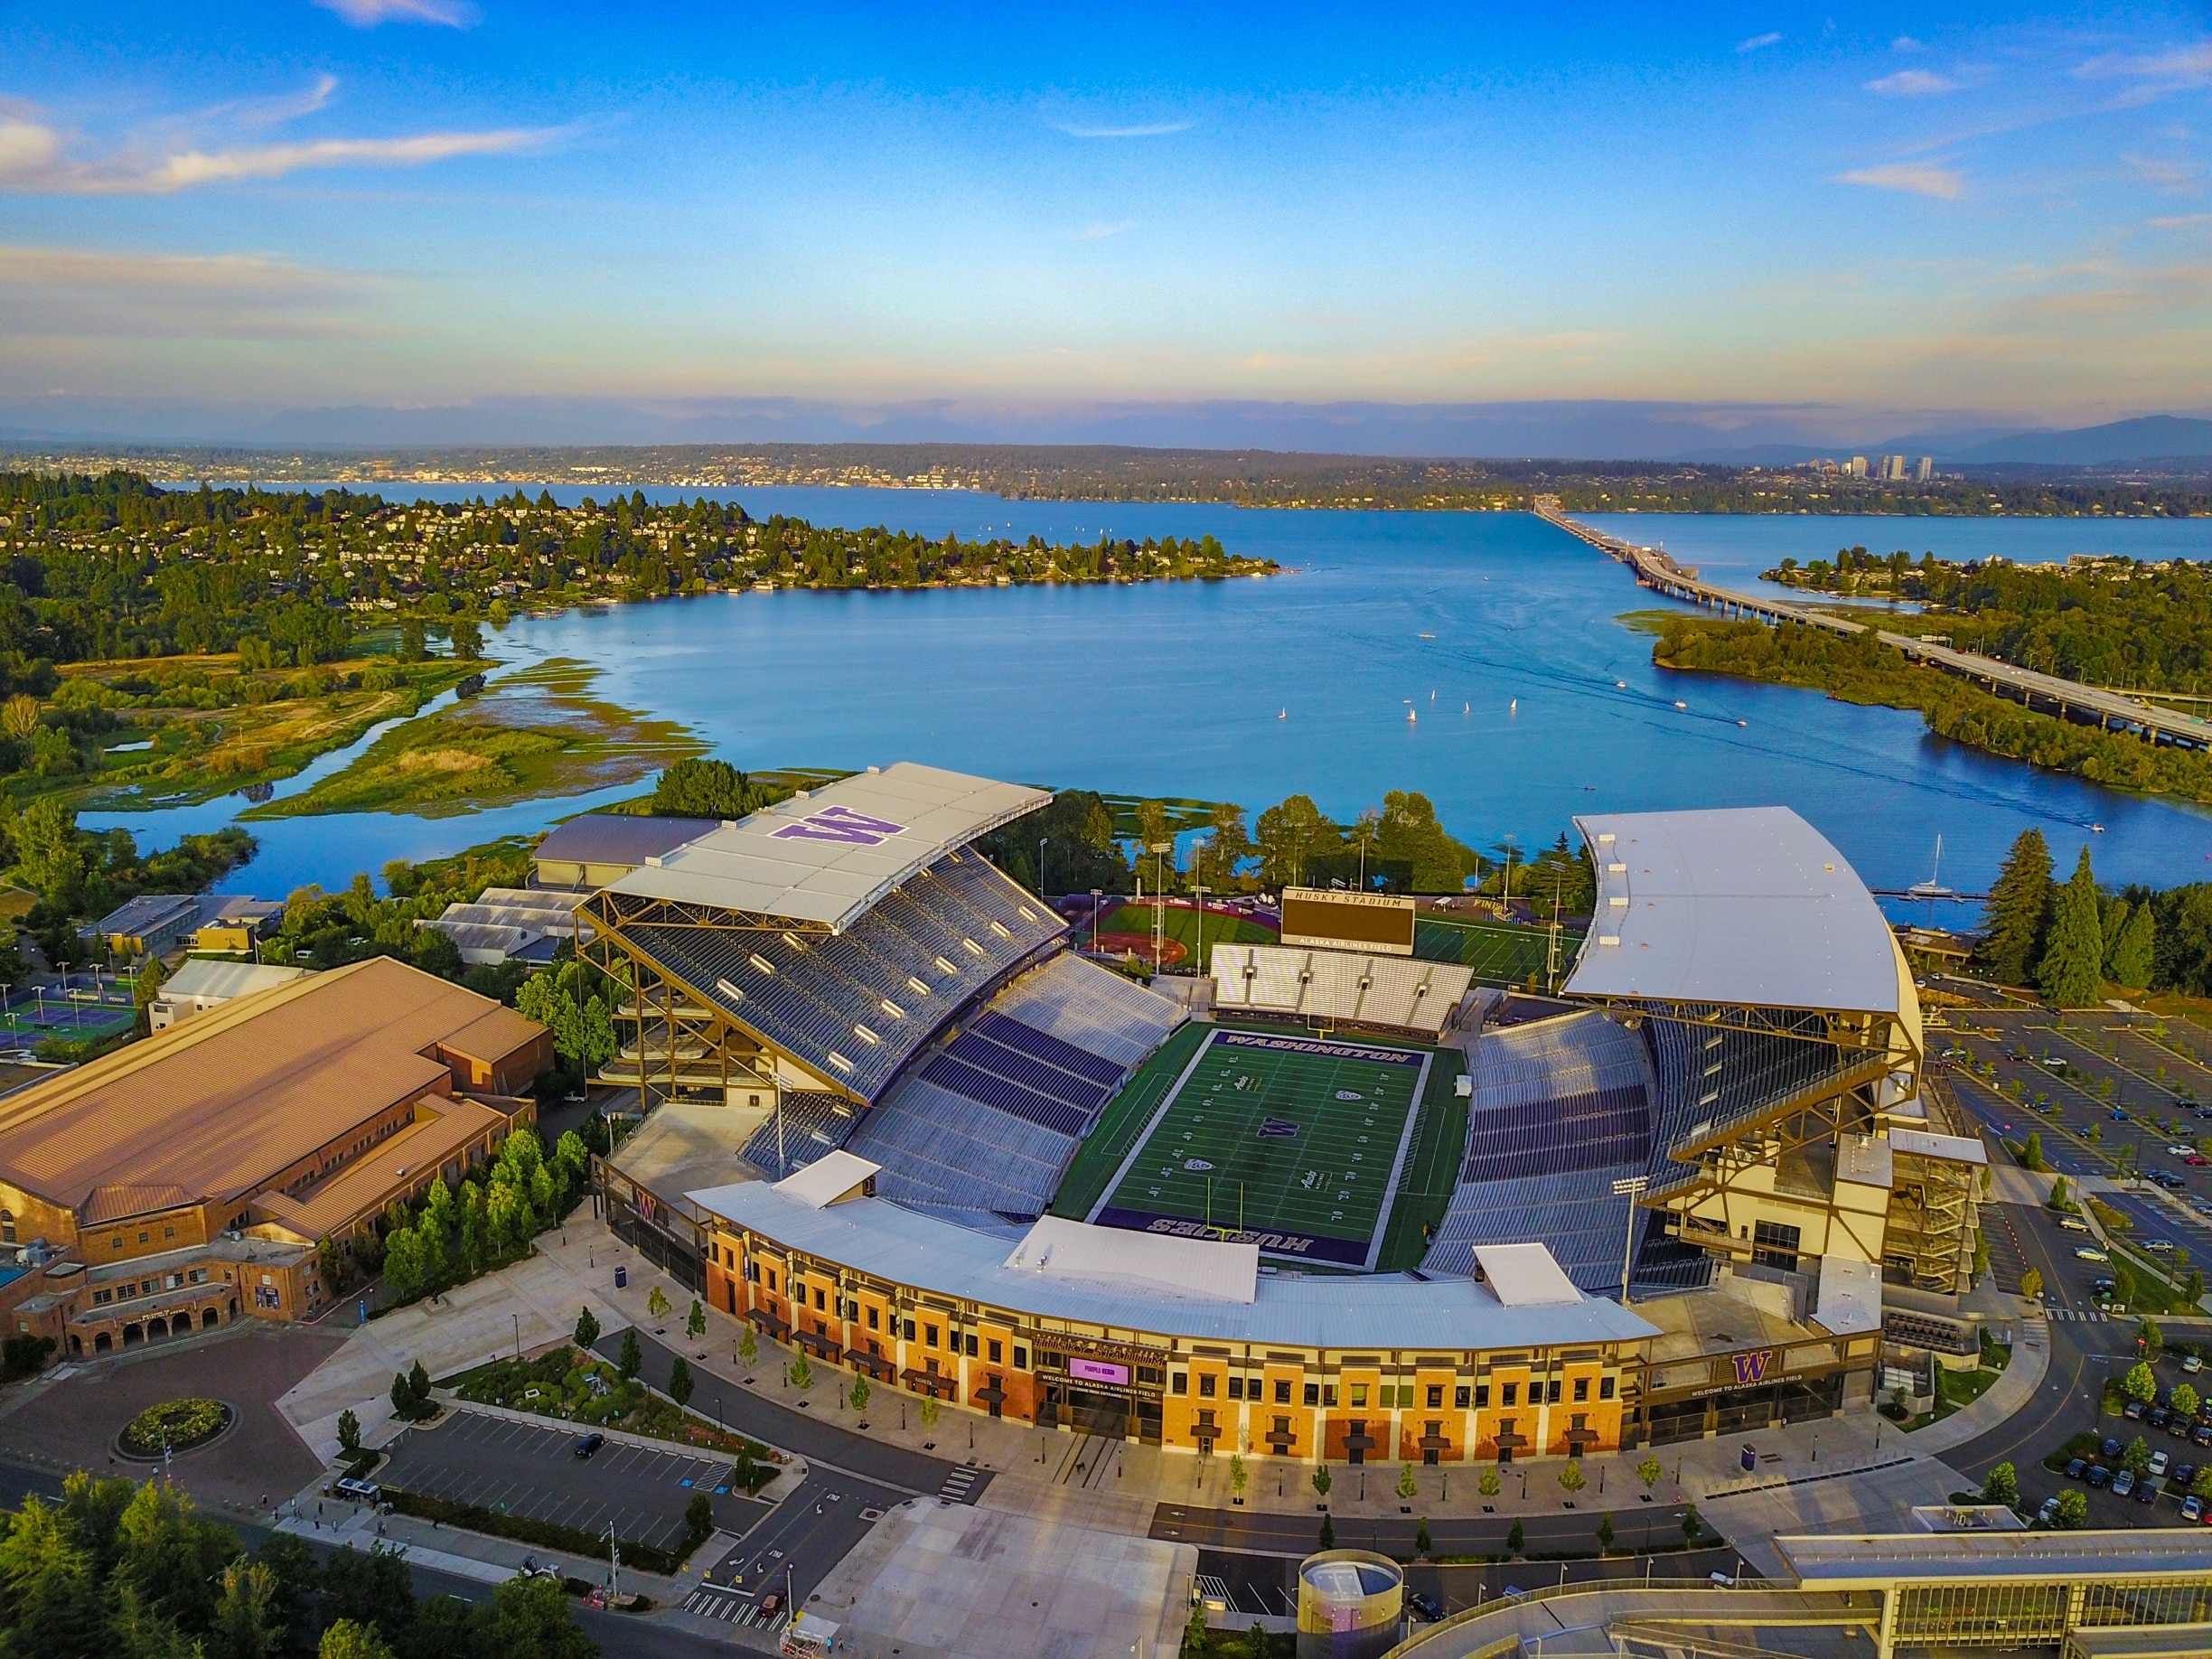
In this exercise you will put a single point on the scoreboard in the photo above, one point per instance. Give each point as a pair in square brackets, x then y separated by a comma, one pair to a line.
[1331, 919]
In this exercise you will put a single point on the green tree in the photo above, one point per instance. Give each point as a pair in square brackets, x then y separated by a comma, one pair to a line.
[2136, 1458]
[748, 1345]
[1290, 836]
[2130, 957]
[49, 851]
[1649, 1472]
[2031, 1154]
[2019, 900]
[2139, 1384]
[698, 1515]
[2071, 973]
[467, 640]
[1489, 1483]
[170, 1559]
[802, 1374]
[402, 1398]
[1408, 833]
[2202, 1484]
[413, 647]
[587, 1330]
[1194, 1638]
[55, 1601]
[2031, 1284]
[707, 789]
[1571, 1479]
[657, 1304]
[1604, 1534]
[2185, 1401]
[349, 1432]
[2002, 1486]
[680, 1382]
[1322, 1480]
[2151, 1339]
[531, 1619]
[860, 1395]
[347, 1639]
[1409, 1487]
[2059, 1200]
[1516, 1537]
[695, 1322]
[1423, 1546]
[246, 1625]
[1691, 1524]
[1326, 1538]
[928, 1412]
[2073, 1511]
[1238, 1477]
[633, 1358]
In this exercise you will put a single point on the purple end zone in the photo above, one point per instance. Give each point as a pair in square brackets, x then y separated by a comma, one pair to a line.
[1290, 1246]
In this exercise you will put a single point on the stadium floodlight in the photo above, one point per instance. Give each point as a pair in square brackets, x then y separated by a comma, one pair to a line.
[1631, 1188]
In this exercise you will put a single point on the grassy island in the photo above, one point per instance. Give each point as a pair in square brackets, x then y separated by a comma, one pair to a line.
[535, 735]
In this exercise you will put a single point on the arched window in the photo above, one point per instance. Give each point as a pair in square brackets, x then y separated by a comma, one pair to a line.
[8, 1226]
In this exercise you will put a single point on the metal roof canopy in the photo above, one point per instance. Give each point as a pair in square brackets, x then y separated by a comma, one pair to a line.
[874, 1235]
[824, 856]
[1877, 1560]
[1746, 906]
[834, 1176]
[1524, 1276]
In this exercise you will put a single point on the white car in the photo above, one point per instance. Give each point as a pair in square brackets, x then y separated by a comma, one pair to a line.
[2192, 1363]
[2070, 1225]
[2089, 1252]
[2160, 1463]
[2178, 1151]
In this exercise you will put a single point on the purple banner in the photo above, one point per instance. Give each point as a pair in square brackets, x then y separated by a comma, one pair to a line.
[1098, 1371]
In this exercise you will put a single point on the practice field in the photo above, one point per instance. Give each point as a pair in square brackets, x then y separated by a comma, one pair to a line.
[1501, 954]
[1305, 1138]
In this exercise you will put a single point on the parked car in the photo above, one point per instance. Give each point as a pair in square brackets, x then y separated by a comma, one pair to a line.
[590, 1443]
[2047, 1514]
[2090, 1252]
[2098, 1476]
[2068, 1225]
[2109, 1450]
[2077, 1468]
[2191, 1362]
[2160, 1463]
[2157, 1415]
[2166, 1179]
[2197, 1160]
[1424, 1607]
[2183, 1475]
[2202, 1434]
[2164, 1247]
[2147, 1489]
[2119, 1115]
[2192, 1508]
[772, 1604]
[2132, 1410]
[2123, 1482]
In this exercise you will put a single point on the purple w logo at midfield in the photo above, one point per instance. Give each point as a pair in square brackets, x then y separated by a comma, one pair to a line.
[838, 823]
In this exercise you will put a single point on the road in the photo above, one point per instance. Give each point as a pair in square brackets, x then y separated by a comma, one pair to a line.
[1268, 1584]
[823, 1445]
[793, 1550]
[1294, 1535]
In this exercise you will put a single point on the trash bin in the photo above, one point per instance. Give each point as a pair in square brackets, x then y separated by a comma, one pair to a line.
[621, 1281]
[1751, 1454]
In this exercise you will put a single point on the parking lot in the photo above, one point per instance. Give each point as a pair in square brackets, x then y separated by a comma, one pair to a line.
[789, 1552]
[2098, 1112]
[522, 1469]
[2155, 1499]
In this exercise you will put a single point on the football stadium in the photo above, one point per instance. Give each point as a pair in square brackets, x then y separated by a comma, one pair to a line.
[1347, 1195]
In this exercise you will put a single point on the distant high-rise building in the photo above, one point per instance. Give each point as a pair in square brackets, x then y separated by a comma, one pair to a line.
[1893, 469]
[1927, 469]
[1855, 468]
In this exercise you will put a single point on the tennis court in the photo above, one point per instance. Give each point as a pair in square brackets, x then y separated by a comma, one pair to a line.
[1294, 1143]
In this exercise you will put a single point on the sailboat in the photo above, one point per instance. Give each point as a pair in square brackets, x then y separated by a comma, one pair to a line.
[1412, 716]
[1513, 706]
[1933, 886]
[1284, 715]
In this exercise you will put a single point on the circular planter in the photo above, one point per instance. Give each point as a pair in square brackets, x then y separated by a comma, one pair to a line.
[193, 1431]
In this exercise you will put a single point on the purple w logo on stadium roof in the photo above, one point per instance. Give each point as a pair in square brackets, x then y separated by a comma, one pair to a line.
[837, 823]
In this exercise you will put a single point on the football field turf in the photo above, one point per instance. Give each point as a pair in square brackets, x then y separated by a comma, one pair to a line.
[1302, 1137]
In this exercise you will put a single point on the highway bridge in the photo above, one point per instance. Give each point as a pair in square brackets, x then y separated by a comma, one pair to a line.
[2070, 699]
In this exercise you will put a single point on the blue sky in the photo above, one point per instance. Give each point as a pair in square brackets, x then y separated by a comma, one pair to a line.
[427, 201]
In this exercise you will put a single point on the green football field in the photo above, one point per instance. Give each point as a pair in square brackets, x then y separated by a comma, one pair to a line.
[1293, 1142]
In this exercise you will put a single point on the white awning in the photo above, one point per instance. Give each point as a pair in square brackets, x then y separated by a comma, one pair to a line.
[834, 1176]
[1206, 1269]
[1851, 1297]
[1951, 1148]
[1525, 1275]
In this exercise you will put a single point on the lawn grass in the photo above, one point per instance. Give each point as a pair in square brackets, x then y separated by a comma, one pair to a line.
[1501, 954]
[1432, 1166]
[1122, 1121]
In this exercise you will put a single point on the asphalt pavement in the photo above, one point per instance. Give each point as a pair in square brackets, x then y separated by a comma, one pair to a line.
[526, 1470]
[1294, 1535]
[791, 1551]
[1268, 1584]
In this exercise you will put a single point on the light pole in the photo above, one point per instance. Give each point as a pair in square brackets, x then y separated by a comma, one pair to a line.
[1098, 897]
[1041, 890]
[1631, 1189]
[1198, 904]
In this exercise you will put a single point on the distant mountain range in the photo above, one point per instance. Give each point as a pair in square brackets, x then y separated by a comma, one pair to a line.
[1730, 435]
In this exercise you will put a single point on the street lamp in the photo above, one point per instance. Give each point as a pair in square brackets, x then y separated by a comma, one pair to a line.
[1041, 890]
[1098, 897]
[1631, 1188]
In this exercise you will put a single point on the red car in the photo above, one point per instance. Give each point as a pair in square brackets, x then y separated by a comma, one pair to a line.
[2197, 1160]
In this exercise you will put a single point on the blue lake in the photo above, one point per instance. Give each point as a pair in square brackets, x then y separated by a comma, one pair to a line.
[1529, 702]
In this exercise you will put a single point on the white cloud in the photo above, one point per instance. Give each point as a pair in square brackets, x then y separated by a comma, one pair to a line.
[34, 160]
[1099, 233]
[1156, 129]
[2173, 70]
[368, 13]
[1905, 42]
[1914, 178]
[1759, 42]
[1912, 83]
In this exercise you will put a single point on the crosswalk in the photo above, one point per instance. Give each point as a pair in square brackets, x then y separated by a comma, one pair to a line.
[732, 1608]
[957, 1485]
[2086, 1316]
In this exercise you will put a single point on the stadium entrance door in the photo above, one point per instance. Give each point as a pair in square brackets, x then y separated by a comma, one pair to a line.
[1106, 1411]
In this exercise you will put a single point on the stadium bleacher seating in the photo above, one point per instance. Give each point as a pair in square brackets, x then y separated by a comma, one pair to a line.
[1561, 1109]
[810, 1125]
[1397, 993]
[857, 1006]
[1710, 1079]
[988, 1125]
